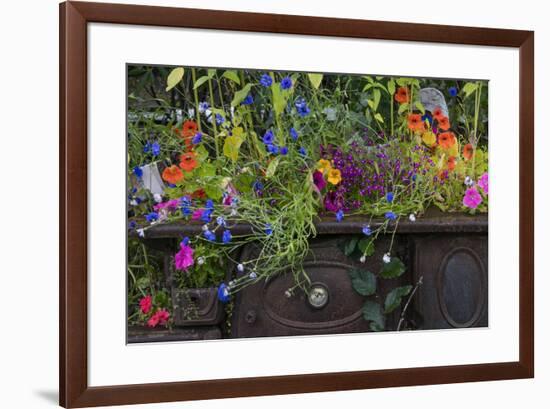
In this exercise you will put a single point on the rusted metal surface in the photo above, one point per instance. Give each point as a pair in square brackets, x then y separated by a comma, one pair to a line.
[196, 306]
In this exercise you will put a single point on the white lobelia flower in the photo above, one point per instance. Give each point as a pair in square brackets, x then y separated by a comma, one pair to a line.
[253, 275]
[363, 258]
[133, 202]
[288, 294]
[386, 258]
[412, 217]
[141, 232]
[468, 181]
[200, 261]
[233, 212]
[157, 197]
[205, 227]
[240, 268]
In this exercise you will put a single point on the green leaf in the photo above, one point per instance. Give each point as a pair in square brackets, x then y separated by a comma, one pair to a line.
[279, 100]
[366, 246]
[364, 282]
[420, 107]
[241, 95]
[143, 282]
[393, 269]
[379, 117]
[350, 246]
[391, 87]
[231, 147]
[174, 78]
[272, 167]
[468, 88]
[232, 75]
[376, 94]
[213, 190]
[393, 299]
[372, 311]
[402, 108]
[200, 81]
[161, 299]
[211, 72]
[315, 79]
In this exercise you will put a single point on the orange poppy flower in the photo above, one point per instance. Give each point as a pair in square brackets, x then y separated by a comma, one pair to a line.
[438, 114]
[402, 95]
[198, 194]
[415, 122]
[443, 123]
[468, 151]
[447, 140]
[451, 163]
[189, 129]
[188, 162]
[172, 175]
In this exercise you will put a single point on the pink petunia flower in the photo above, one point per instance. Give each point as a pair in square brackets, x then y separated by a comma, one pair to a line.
[159, 318]
[170, 205]
[472, 198]
[483, 183]
[145, 304]
[184, 257]
[197, 214]
[319, 180]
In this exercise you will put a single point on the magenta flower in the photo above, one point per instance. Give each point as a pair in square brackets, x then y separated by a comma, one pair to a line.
[483, 183]
[170, 205]
[197, 214]
[472, 198]
[184, 258]
[319, 180]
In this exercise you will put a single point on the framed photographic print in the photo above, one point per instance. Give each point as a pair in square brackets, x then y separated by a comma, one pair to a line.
[264, 204]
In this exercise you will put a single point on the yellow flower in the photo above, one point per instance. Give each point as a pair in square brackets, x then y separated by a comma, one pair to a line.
[334, 176]
[324, 166]
[429, 138]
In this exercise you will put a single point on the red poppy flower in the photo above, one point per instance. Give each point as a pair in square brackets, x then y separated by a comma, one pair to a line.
[438, 113]
[443, 123]
[451, 163]
[198, 194]
[145, 304]
[446, 140]
[188, 162]
[402, 95]
[468, 151]
[189, 129]
[415, 122]
[172, 175]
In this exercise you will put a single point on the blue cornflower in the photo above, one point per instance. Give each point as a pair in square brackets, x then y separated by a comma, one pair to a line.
[209, 235]
[220, 221]
[339, 215]
[203, 106]
[268, 137]
[266, 80]
[293, 134]
[284, 150]
[249, 100]
[206, 215]
[302, 151]
[219, 119]
[151, 217]
[453, 92]
[209, 204]
[301, 107]
[367, 230]
[132, 224]
[147, 147]
[389, 197]
[258, 186]
[223, 293]
[226, 236]
[138, 171]
[390, 215]
[197, 138]
[268, 229]
[155, 149]
[286, 83]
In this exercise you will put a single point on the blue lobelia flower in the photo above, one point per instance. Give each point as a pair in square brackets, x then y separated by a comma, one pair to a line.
[272, 149]
[258, 186]
[293, 134]
[203, 106]
[268, 137]
[453, 92]
[138, 171]
[266, 80]
[197, 138]
[302, 151]
[185, 241]
[367, 230]
[249, 100]
[220, 221]
[151, 217]
[226, 236]
[223, 293]
[268, 229]
[390, 216]
[286, 83]
[155, 149]
[339, 215]
[132, 225]
[206, 215]
[209, 204]
[284, 150]
[209, 235]
[389, 197]
[301, 107]
[147, 147]
[219, 119]
[427, 117]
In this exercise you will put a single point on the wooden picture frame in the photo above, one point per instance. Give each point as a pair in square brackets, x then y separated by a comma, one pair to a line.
[73, 230]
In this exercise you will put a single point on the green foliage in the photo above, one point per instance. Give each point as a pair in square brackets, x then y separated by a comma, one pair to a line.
[174, 78]
[372, 312]
[393, 299]
[393, 269]
[362, 281]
